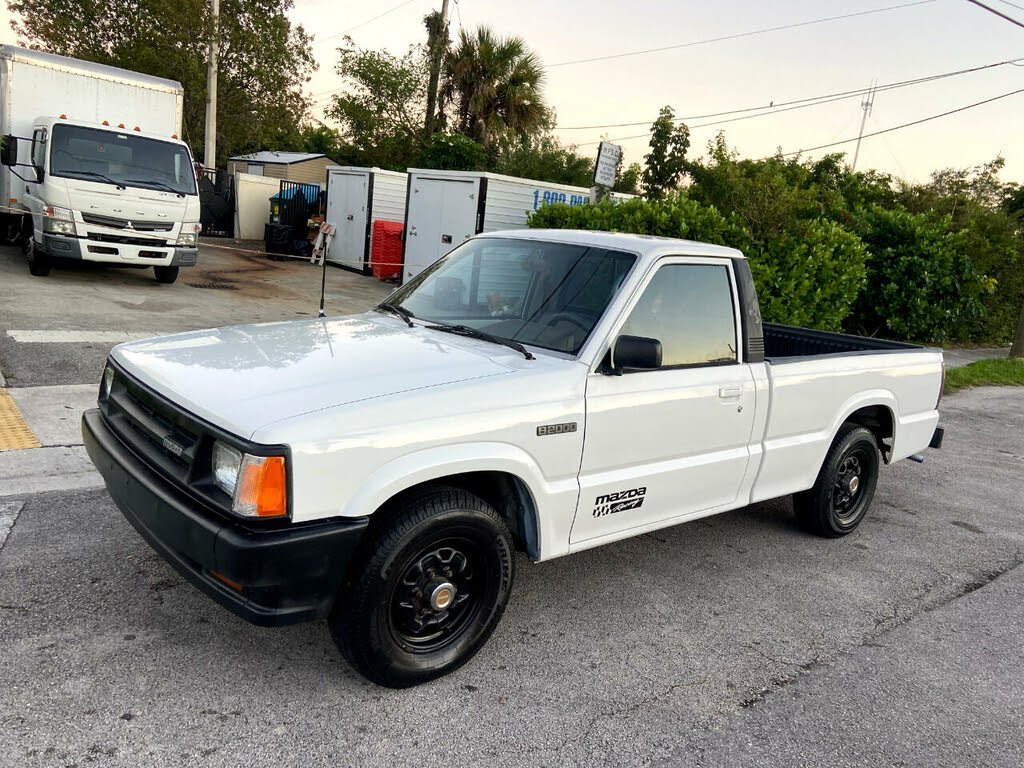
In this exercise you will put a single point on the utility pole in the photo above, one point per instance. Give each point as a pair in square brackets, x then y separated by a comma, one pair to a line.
[440, 39]
[210, 141]
[866, 105]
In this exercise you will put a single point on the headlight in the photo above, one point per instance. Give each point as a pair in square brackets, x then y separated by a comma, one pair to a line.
[59, 221]
[108, 381]
[257, 485]
[189, 234]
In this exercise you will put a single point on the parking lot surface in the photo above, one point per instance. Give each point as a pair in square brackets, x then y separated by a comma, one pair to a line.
[733, 640]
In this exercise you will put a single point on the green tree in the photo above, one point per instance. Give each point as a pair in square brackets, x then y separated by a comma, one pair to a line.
[382, 105]
[628, 181]
[264, 59]
[542, 157]
[321, 140]
[492, 87]
[454, 152]
[666, 161]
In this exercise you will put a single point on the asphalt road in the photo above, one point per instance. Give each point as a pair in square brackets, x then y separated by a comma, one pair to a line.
[726, 641]
[734, 640]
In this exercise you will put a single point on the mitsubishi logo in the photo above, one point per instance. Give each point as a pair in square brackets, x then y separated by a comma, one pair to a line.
[129, 226]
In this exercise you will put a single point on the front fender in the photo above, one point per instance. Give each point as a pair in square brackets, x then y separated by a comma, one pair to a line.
[554, 500]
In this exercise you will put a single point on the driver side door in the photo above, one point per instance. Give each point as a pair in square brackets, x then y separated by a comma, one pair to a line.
[664, 444]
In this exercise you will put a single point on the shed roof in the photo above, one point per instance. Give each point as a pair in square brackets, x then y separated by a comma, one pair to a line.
[277, 158]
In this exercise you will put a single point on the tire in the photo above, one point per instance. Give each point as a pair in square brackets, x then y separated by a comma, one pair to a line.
[384, 621]
[842, 493]
[166, 274]
[39, 264]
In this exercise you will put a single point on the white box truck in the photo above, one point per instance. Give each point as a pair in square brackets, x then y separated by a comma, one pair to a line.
[93, 168]
[446, 208]
[357, 197]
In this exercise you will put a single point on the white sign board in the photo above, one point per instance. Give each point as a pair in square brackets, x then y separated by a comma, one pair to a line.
[607, 164]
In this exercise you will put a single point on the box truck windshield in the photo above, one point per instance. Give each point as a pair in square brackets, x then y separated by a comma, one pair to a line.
[121, 159]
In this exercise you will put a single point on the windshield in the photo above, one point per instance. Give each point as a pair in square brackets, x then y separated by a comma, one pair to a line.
[550, 295]
[121, 158]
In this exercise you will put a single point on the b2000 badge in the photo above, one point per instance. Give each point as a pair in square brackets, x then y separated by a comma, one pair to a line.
[556, 429]
[611, 503]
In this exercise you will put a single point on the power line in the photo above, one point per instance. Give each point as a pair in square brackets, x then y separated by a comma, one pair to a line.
[364, 23]
[1000, 14]
[904, 125]
[741, 34]
[808, 101]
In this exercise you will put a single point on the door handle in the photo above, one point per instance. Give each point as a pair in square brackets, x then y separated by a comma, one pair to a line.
[725, 392]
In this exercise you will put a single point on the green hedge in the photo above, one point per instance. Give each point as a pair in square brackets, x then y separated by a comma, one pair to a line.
[809, 276]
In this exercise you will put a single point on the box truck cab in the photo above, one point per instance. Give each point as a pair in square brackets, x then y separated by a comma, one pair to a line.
[120, 191]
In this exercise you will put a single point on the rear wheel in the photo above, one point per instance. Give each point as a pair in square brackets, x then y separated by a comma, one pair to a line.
[429, 591]
[166, 274]
[39, 264]
[841, 495]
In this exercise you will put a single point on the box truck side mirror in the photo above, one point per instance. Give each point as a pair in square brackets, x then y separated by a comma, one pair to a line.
[8, 150]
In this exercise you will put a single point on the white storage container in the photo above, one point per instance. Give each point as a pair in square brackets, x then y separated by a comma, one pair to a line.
[357, 197]
[446, 208]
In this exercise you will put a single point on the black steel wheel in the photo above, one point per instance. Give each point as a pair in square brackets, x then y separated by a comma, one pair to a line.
[841, 496]
[429, 590]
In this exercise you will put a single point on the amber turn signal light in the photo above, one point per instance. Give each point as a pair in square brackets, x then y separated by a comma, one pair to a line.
[262, 487]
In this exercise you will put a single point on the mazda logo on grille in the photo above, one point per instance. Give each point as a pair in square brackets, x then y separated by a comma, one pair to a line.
[173, 446]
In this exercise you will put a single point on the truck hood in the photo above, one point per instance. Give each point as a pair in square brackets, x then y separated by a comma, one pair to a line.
[131, 203]
[244, 377]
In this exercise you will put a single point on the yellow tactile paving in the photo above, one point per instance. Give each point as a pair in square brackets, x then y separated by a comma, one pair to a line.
[14, 432]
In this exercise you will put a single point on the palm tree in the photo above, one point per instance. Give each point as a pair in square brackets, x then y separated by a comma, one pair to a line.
[493, 86]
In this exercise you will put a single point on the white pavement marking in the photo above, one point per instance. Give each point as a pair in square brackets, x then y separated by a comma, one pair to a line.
[82, 337]
[36, 470]
[8, 514]
[55, 413]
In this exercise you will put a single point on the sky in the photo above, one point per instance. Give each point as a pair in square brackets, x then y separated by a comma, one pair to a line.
[925, 39]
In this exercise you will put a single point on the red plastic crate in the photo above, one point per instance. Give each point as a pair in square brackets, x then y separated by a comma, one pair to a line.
[386, 251]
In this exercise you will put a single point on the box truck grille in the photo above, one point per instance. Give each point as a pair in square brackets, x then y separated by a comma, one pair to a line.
[116, 223]
[126, 240]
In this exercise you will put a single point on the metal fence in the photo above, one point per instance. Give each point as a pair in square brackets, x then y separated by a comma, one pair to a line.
[217, 201]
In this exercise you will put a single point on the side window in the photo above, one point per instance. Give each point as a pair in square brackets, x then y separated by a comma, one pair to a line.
[689, 309]
[39, 148]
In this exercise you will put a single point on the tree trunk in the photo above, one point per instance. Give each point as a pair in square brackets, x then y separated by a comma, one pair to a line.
[1017, 350]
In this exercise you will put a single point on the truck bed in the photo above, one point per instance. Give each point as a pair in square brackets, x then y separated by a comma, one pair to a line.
[785, 343]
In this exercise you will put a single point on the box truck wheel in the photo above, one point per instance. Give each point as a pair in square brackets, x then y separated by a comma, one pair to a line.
[842, 494]
[430, 589]
[166, 274]
[39, 264]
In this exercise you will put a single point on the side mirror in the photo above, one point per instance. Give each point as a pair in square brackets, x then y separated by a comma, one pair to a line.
[8, 150]
[636, 353]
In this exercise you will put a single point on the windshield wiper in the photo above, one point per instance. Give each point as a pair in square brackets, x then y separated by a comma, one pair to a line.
[394, 309]
[98, 175]
[476, 333]
[157, 184]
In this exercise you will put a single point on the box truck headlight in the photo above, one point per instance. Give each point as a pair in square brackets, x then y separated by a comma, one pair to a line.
[189, 234]
[59, 221]
[257, 485]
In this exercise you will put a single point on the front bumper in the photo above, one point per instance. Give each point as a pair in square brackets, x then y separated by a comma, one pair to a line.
[286, 575]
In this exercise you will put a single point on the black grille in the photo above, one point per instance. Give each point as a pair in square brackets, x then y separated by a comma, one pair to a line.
[126, 240]
[163, 435]
[116, 223]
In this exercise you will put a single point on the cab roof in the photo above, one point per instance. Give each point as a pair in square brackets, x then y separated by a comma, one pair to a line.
[640, 244]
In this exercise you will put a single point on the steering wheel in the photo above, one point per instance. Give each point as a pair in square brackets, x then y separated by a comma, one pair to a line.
[569, 318]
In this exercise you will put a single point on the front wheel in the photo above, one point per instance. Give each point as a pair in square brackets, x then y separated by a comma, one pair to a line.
[429, 591]
[39, 263]
[166, 274]
[842, 493]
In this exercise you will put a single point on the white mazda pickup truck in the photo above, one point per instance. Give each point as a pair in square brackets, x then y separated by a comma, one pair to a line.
[546, 391]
